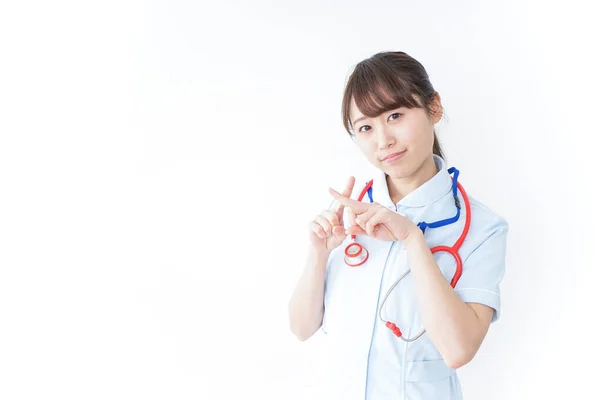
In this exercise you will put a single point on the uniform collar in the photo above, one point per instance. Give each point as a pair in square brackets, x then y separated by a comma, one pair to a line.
[429, 192]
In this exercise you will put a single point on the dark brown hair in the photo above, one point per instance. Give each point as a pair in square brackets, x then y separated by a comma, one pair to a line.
[386, 81]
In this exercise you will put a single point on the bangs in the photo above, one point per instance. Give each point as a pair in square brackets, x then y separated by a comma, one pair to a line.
[376, 89]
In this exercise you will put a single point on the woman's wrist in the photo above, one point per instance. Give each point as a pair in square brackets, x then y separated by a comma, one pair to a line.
[318, 255]
[414, 240]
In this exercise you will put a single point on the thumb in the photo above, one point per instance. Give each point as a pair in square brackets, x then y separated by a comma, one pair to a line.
[339, 232]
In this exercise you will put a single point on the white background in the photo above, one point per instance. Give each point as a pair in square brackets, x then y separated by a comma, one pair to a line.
[160, 161]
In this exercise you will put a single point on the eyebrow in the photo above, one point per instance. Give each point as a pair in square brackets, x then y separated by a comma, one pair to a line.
[358, 119]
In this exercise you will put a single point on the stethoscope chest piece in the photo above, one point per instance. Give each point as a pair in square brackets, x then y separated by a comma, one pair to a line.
[355, 254]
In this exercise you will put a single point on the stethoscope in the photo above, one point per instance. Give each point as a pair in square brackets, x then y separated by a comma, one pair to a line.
[356, 254]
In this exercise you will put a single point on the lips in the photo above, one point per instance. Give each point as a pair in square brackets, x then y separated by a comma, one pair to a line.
[394, 156]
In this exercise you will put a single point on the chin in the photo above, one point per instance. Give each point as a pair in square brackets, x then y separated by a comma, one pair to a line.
[398, 171]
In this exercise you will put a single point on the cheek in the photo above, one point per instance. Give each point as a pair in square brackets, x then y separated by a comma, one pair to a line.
[419, 136]
[367, 148]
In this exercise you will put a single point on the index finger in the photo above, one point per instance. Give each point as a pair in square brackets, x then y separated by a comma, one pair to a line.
[348, 190]
[356, 206]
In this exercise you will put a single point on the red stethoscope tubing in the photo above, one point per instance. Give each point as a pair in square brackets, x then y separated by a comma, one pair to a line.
[453, 251]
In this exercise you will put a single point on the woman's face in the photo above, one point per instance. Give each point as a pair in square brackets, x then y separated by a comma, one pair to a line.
[398, 141]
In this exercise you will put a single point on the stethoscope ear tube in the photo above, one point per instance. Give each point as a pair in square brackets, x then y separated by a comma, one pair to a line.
[453, 251]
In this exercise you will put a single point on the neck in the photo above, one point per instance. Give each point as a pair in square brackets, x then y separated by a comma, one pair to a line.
[400, 187]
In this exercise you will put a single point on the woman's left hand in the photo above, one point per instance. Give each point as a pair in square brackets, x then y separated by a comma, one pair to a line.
[375, 220]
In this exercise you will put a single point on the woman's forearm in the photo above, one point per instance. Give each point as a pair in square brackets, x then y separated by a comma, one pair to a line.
[306, 303]
[452, 325]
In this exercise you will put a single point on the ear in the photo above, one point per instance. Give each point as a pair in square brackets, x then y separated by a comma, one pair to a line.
[436, 108]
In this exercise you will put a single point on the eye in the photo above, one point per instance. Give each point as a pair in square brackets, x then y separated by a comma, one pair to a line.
[397, 115]
[364, 126]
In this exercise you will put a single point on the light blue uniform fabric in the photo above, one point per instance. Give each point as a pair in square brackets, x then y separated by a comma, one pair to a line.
[365, 359]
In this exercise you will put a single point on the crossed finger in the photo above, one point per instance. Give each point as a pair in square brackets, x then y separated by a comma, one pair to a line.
[357, 207]
[347, 193]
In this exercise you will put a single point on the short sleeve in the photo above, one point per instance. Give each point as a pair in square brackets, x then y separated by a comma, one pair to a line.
[483, 270]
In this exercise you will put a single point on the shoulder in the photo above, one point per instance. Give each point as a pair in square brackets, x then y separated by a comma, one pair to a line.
[486, 216]
[485, 224]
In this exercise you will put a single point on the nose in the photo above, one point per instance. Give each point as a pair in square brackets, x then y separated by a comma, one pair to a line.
[385, 138]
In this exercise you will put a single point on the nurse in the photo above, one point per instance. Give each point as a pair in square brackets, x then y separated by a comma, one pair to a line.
[389, 110]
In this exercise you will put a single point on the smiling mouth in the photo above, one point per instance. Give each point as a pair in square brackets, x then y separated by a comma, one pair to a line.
[394, 156]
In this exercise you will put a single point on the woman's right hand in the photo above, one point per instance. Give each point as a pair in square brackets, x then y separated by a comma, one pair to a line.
[327, 229]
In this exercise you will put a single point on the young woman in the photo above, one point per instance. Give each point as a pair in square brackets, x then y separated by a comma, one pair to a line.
[400, 313]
